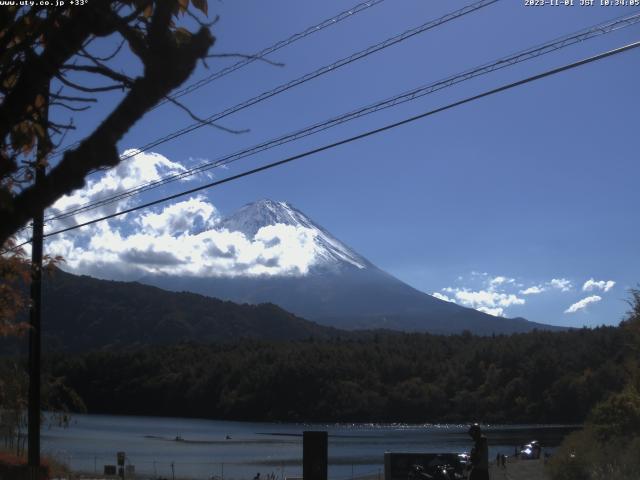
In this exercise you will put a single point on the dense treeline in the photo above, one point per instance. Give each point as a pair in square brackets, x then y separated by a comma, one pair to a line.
[534, 377]
[607, 447]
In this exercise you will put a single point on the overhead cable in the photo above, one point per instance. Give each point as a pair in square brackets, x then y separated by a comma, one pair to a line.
[524, 55]
[314, 74]
[317, 73]
[277, 46]
[257, 56]
[369, 133]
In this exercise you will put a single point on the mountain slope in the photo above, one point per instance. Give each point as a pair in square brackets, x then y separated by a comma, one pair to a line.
[82, 313]
[342, 289]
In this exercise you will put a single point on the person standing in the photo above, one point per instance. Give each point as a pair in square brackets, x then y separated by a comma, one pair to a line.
[479, 454]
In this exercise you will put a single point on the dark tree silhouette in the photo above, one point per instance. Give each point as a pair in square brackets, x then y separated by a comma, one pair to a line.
[39, 45]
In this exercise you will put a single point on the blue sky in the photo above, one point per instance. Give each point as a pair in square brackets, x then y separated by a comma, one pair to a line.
[529, 186]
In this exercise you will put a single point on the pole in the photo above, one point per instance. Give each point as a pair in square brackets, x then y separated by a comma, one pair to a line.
[34, 340]
[33, 413]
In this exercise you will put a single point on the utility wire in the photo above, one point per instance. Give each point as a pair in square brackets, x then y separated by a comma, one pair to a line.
[321, 71]
[369, 133]
[317, 73]
[277, 46]
[530, 53]
[257, 56]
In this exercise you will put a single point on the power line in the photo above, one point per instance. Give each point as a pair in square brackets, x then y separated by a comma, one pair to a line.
[277, 46]
[530, 53]
[257, 56]
[369, 133]
[317, 73]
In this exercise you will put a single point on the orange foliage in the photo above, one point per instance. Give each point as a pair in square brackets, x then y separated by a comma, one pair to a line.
[15, 276]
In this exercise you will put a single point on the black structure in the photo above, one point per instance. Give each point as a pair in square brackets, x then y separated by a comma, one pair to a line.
[34, 404]
[403, 466]
[314, 455]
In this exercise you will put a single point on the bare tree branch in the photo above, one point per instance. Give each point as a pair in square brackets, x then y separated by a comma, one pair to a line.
[167, 64]
[73, 99]
[69, 107]
[111, 56]
[81, 88]
[134, 38]
[65, 126]
[101, 70]
[202, 23]
[203, 120]
[62, 43]
[62, 137]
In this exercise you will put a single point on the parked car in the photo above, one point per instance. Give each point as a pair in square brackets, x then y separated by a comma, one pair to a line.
[465, 460]
[530, 451]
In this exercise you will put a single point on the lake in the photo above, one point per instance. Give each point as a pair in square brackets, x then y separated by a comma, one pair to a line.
[239, 450]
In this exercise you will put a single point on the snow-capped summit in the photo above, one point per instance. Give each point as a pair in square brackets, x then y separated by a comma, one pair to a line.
[330, 252]
[253, 216]
[341, 288]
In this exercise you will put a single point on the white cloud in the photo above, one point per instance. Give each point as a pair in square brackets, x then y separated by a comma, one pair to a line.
[603, 285]
[582, 304]
[534, 290]
[500, 280]
[487, 298]
[496, 312]
[489, 301]
[130, 173]
[561, 284]
[494, 296]
[166, 244]
[475, 273]
[192, 215]
[443, 297]
[178, 239]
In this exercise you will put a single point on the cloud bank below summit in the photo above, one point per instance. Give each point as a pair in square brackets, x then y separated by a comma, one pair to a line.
[177, 239]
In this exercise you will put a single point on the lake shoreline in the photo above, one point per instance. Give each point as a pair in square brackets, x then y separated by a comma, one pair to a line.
[354, 424]
[164, 447]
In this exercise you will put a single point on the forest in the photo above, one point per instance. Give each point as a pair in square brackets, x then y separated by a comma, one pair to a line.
[385, 377]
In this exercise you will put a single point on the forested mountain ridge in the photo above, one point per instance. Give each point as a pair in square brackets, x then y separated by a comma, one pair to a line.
[535, 377]
[83, 313]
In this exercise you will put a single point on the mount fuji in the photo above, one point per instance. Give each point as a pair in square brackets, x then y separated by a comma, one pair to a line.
[340, 288]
